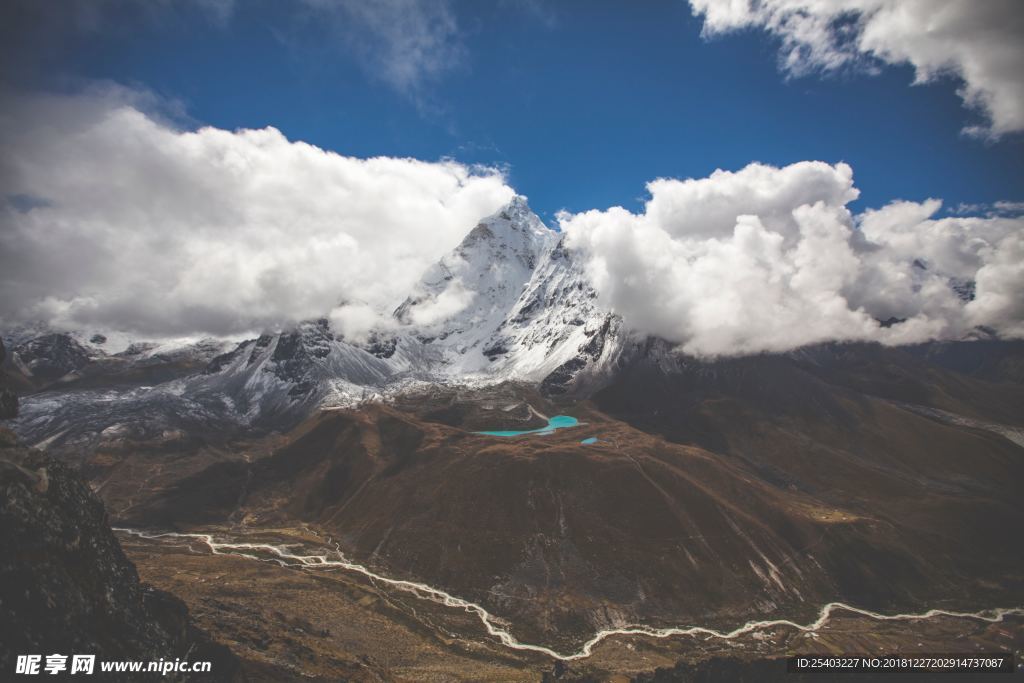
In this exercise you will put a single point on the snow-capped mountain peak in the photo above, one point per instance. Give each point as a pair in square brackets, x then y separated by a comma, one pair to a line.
[509, 301]
[471, 289]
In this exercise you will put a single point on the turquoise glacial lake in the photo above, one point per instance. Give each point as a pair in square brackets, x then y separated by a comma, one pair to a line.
[589, 441]
[556, 422]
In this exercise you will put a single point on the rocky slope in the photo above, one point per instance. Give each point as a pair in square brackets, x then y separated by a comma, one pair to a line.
[66, 586]
[717, 496]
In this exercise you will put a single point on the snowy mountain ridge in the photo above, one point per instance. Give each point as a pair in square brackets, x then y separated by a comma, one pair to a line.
[509, 303]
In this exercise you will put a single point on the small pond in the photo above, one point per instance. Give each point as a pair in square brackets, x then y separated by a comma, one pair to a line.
[556, 422]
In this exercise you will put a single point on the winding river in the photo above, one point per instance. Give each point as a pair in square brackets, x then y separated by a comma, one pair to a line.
[285, 558]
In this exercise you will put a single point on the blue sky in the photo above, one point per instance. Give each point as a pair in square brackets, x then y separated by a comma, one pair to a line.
[583, 102]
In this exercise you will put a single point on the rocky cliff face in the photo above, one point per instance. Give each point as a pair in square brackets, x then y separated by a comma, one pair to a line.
[66, 586]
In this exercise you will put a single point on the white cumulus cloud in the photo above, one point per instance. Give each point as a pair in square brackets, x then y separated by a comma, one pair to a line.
[977, 42]
[112, 218]
[769, 259]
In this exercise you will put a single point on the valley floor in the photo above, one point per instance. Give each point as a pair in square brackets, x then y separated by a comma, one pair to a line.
[301, 622]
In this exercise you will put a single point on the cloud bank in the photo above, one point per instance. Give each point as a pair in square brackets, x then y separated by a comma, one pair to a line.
[116, 219]
[977, 42]
[770, 259]
[113, 218]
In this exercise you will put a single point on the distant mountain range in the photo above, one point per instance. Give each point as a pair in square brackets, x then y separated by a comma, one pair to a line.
[509, 304]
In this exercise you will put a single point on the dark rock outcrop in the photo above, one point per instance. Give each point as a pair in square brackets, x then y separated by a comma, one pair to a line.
[8, 399]
[52, 356]
[381, 346]
[8, 404]
[67, 587]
